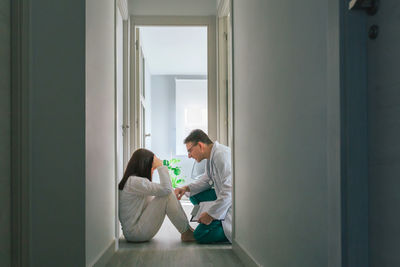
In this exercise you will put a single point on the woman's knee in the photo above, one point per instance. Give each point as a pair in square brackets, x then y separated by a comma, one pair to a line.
[144, 235]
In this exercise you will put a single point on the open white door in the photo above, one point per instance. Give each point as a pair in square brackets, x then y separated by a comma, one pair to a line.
[225, 98]
[229, 78]
[121, 100]
[119, 111]
[140, 92]
[119, 84]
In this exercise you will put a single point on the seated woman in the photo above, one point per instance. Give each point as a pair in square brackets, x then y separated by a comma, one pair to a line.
[144, 204]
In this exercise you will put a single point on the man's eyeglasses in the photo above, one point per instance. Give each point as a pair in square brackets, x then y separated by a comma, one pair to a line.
[190, 149]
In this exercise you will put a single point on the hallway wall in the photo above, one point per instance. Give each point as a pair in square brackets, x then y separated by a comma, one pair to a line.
[56, 114]
[5, 141]
[100, 153]
[282, 155]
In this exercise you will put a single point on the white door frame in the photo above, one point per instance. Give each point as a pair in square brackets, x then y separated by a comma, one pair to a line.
[210, 23]
[140, 103]
[224, 91]
[141, 92]
[122, 10]
[122, 7]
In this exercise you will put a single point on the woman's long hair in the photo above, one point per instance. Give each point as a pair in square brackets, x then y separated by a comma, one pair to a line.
[139, 165]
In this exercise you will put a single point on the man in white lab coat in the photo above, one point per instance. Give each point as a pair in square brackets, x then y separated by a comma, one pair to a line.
[214, 185]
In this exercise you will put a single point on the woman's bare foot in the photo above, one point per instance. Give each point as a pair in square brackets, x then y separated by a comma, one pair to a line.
[188, 235]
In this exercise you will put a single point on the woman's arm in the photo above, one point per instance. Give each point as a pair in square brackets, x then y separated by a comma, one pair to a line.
[144, 187]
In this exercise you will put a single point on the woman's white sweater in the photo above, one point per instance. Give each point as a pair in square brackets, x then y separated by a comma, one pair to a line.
[136, 194]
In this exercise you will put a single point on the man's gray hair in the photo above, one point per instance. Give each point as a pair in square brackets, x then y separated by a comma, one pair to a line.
[197, 136]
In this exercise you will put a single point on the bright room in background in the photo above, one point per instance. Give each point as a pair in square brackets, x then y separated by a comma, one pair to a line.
[191, 109]
[174, 81]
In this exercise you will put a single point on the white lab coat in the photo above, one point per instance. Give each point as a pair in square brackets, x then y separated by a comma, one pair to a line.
[218, 173]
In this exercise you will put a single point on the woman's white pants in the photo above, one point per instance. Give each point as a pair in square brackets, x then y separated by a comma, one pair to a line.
[154, 214]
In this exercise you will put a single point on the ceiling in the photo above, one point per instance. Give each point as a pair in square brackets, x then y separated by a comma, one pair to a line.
[172, 7]
[175, 50]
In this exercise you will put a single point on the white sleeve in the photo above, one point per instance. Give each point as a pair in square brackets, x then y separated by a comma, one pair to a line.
[143, 186]
[224, 201]
[203, 183]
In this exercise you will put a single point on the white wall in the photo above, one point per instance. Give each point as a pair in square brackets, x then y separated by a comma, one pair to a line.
[163, 120]
[190, 110]
[173, 7]
[67, 106]
[100, 154]
[280, 132]
[163, 115]
[5, 141]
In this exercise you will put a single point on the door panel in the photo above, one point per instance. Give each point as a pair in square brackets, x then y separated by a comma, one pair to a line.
[384, 132]
[138, 86]
[140, 94]
[225, 109]
[119, 95]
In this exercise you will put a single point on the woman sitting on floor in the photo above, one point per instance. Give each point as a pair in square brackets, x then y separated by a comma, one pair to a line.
[144, 204]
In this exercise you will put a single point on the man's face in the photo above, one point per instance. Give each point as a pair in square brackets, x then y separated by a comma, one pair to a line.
[194, 151]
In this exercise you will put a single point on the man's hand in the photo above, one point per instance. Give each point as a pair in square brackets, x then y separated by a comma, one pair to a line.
[179, 192]
[205, 218]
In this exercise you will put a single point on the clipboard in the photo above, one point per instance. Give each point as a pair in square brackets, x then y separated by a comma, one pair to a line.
[199, 209]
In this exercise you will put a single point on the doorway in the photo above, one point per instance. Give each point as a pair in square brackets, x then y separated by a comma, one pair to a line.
[157, 130]
[172, 98]
[172, 91]
[171, 55]
[156, 31]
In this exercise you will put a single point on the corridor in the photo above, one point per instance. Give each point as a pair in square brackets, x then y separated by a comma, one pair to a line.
[307, 94]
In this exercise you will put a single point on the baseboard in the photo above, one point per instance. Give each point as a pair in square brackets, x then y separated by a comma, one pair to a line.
[105, 257]
[244, 256]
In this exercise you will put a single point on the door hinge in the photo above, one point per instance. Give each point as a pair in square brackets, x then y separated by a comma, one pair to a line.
[137, 44]
[225, 36]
